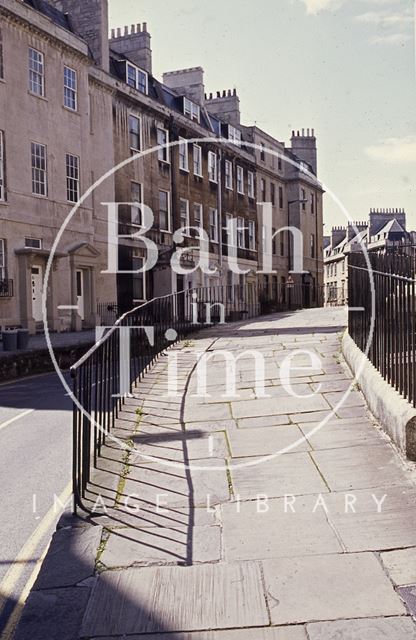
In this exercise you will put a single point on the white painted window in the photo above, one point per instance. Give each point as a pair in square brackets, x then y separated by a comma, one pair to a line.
[213, 225]
[183, 154]
[139, 280]
[135, 135]
[191, 110]
[70, 89]
[234, 135]
[137, 78]
[72, 178]
[184, 214]
[250, 184]
[240, 179]
[197, 160]
[241, 236]
[303, 199]
[1, 57]
[212, 166]
[164, 211]
[137, 201]
[252, 235]
[231, 240]
[36, 72]
[33, 243]
[163, 140]
[2, 259]
[2, 168]
[228, 175]
[198, 215]
[39, 169]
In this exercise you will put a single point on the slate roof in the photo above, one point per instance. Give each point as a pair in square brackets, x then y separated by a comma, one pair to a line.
[48, 10]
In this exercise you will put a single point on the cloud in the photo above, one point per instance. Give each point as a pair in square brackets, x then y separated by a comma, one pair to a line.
[315, 6]
[384, 19]
[394, 150]
[391, 38]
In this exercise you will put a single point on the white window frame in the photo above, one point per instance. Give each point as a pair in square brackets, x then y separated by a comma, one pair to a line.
[234, 135]
[241, 234]
[191, 110]
[72, 177]
[3, 259]
[163, 154]
[70, 90]
[199, 220]
[38, 242]
[212, 167]
[136, 212]
[213, 225]
[141, 275]
[183, 157]
[138, 75]
[36, 72]
[197, 160]
[250, 184]
[240, 180]
[39, 172]
[251, 235]
[169, 229]
[230, 229]
[184, 221]
[132, 116]
[2, 168]
[229, 175]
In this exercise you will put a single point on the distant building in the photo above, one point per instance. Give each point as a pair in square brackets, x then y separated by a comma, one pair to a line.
[384, 229]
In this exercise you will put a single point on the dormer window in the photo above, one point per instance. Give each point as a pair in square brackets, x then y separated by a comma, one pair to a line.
[234, 135]
[137, 78]
[191, 109]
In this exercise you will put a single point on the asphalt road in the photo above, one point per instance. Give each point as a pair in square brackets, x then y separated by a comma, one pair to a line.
[35, 465]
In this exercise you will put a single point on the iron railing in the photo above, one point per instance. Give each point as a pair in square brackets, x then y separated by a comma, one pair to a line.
[335, 296]
[108, 313]
[388, 312]
[100, 383]
[6, 288]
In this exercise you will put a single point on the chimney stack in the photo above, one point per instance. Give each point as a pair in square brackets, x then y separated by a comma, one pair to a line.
[135, 44]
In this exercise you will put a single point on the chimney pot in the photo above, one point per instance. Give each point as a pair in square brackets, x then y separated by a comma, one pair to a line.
[126, 31]
[133, 29]
[113, 33]
[145, 27]
[218, 94]
[118, 32]
[234, 92]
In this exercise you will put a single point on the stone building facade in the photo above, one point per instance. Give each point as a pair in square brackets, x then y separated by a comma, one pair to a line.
[81, 103]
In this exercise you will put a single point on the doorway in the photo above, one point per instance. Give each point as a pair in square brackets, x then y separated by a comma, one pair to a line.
[80, 293]
[36, 284]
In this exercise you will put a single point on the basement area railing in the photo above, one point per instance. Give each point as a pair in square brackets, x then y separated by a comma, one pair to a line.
[110, 370]
[392, 316]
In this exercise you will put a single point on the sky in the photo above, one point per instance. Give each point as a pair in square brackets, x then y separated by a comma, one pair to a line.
[343, 67]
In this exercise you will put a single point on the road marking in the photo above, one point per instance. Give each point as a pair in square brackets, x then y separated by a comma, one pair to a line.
[20, 415]
[17, 610]
[25, 555]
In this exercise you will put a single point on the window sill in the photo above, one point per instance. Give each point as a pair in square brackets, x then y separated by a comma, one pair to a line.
[165, 231]
[36, 95]
[213, 182]
[39, 196]
[183, 170]
[229, 188]
[4, 203]
[164, 163]
[3, 80]
[240, 193]
[74, 111]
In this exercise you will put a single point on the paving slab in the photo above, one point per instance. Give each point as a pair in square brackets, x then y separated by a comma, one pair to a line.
[402, 628]
[257, 633]
[264, 441]
[54, 614]
[177, 446]
[271, 529]
[329, 587]
[277, 406]
[340, 433]
[264, 421]
[128, 547]
[409, 596]
[371, 527]
[292, 473]
[210, 596]
[360, 467]
[401, 565]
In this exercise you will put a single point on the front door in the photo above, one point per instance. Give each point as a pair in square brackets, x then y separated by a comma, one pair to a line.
[36, 279]
[80, 293]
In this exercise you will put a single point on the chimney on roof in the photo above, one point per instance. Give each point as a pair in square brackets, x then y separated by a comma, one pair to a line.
[135, 44]
[187, 82]
[380, 217]
[89, 19]
[226, 105]
[304, 146]
[337, 234]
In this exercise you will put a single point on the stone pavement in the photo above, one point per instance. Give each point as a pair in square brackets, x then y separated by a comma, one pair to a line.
[210, 533]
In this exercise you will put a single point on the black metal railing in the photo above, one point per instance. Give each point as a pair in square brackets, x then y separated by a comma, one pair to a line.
[6, 288]
[108, 313]
[383, 317]
[110, 370]
[335, 296]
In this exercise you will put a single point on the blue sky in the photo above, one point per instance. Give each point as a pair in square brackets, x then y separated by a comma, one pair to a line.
[344, 67]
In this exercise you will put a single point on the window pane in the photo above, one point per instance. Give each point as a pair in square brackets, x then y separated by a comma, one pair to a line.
[36, 72]
[72, 178]
[134, 129]
[39, 175]
[70, 88]
[2, 167]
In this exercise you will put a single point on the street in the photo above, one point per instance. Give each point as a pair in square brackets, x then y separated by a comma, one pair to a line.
[35, 465]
